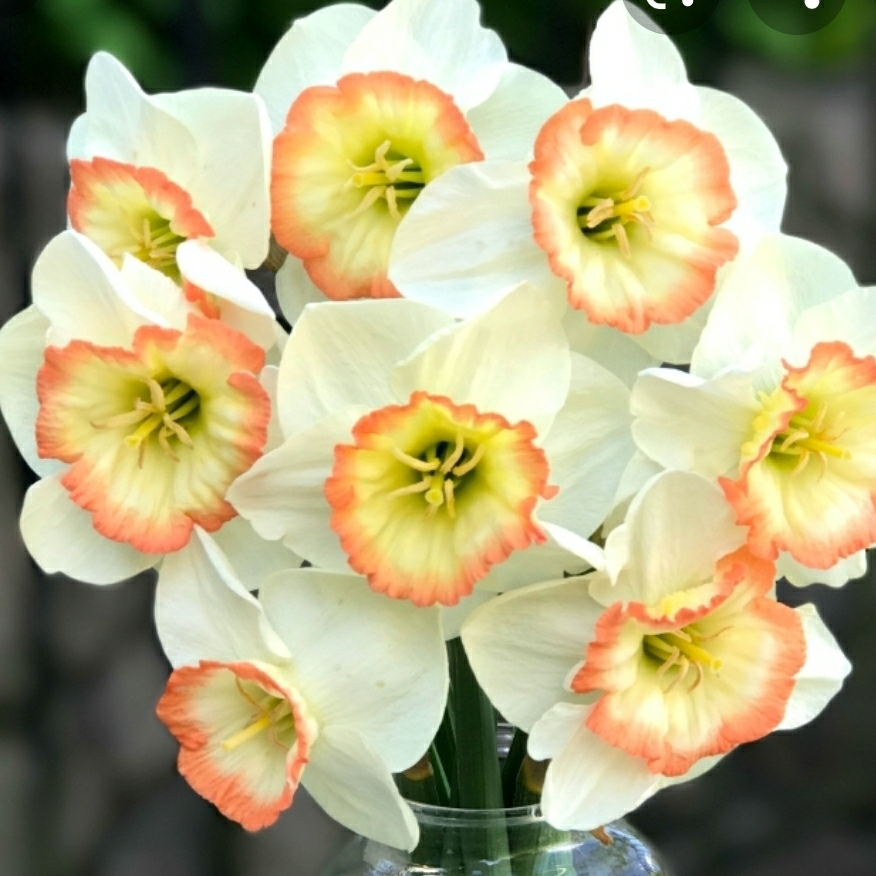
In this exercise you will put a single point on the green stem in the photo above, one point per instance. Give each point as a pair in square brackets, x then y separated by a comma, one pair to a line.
[479, 781]
[474, 719]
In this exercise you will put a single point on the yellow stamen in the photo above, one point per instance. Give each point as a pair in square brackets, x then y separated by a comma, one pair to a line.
[248, 732]
[413, 462]
[466, 467]
[388, 179]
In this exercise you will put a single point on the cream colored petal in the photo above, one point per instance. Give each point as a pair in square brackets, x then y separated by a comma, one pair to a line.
[822, 674]
[523, 645]
[283, 496]
[638, 68]
[764, 294]
[309, 53]
[690, 424]
[295, 290]
[341, 355]
[59, 536]
[468, 239]
[589, 446]
[345, 642]
[203, 611]
[229, 182]
[442, 43]
[22, 341]
[242, 305]
[523, 332]
[612, 349]
[676, 530]
[845, 570]
[352, 784]
[82, 294]
[507, 122]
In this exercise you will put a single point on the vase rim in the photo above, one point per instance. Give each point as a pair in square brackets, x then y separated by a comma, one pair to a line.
[448, 815]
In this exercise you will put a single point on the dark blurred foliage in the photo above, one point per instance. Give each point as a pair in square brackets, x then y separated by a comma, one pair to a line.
[169, 44]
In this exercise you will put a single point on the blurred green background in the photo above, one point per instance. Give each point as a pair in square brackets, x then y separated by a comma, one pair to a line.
[170, 44]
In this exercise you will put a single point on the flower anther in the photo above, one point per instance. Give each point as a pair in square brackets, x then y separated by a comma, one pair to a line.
[807, 477]
[348, 164]
[245, 737]
[710, 667]
[432, 494]
[133, 210]
[156, 434]
[627, 206]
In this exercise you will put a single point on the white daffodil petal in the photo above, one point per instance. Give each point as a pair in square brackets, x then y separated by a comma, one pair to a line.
[22, 341]
[522, 646]
[345, 641]
[690, 424]
[241, 303]
[590, 783]
[677, 528]
[611, 348]
[589, 447]
[59, 536]
[528, 387]
[203, 612]
[311, 52]
[844, 571]
[157, 293]
[757, 169]
[640, 469]
[80, 292]
[126, 125]
[555, 729]
[343, 355]
[764, 294]
[454, 616]
[676, 343]
[507, 122]
[468, 238]
[232, 176]
[295, 290]
[651, 74]
[562, 553]
[351, 783]
[283, 496]
[850, 318]
[822, 674]
[442, 43]
[253, 558]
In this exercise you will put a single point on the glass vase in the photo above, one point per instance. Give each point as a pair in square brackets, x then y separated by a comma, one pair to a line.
[500, 842]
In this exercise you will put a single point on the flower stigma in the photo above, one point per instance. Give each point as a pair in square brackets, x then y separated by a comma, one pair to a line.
[271, 712]
[605, 217]
[682, 649]
[169, 403]
[388, 176]
[437, 464]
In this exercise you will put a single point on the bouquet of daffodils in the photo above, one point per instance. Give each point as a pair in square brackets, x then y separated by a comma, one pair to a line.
[558, 407]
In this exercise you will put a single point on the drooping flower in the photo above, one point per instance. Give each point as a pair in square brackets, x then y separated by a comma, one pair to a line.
[179, 182]
[645, 675]
[431, 456]
[368, 109]
[778, 410]
[641, 189]
[303, 686]
[137, 411]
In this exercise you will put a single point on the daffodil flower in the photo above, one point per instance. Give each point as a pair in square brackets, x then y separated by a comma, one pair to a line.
[368, 109]
[646, 674]
[640, 191]
[179, 182]
[432, 456]
[778, 409]
[136, 409]
[303, 686]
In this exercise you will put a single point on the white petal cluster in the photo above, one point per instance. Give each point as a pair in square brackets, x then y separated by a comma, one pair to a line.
[484, 446]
